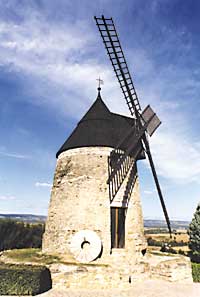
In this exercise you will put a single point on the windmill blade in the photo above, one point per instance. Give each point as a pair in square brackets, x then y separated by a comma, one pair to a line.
[130, 184]
[135, 147]
[116, 178]
[114, 50]
[149, 116]
[121, 162]
[146, 144]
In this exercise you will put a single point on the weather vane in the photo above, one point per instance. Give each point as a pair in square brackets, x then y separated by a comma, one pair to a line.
[100, 82]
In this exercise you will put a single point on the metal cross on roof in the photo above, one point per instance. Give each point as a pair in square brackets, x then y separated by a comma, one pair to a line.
[100, 82]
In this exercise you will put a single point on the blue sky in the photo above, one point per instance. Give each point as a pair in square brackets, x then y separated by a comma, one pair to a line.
[50, 56]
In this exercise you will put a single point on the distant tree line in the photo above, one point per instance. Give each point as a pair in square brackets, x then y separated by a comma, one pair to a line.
[156, 231]
[16, 235]
[173, 243]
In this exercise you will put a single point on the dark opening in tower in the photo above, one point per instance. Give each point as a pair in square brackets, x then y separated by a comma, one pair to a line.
[118, 215]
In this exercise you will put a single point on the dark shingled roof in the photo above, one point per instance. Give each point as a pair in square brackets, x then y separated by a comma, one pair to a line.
[99, 127]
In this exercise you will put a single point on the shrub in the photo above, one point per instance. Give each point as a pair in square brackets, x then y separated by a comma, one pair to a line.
[168, 249]
[153, 242]
[24, 279]
[175, 243]
[196, 272]
[181, 252]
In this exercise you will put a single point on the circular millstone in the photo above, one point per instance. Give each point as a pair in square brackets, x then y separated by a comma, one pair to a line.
[86, 246]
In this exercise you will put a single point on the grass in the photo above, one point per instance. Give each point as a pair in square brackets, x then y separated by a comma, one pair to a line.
[35, 256]
[165, 237]
[29, 255]
[181, 236]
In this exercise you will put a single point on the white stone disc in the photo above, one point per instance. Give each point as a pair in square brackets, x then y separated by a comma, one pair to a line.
[86, 246]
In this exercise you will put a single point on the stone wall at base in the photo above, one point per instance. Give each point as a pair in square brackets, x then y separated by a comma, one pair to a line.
[106, 276]
[173, 269]
[95, 276]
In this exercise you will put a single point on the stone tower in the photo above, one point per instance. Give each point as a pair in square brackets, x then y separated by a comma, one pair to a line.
[82, 220]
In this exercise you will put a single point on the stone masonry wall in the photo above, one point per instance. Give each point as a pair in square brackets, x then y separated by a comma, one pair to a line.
[80, 200]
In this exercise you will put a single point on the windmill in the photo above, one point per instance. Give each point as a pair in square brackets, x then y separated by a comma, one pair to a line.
[121, 162]
[89, 220]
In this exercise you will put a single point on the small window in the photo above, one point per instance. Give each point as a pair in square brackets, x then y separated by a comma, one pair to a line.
[118, 227]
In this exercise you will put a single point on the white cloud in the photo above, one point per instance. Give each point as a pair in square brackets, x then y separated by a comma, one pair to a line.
[62, 62]
[176, 157]
[148, 192]
[58, 62]
[175, 151]
[13, 155]
[43, 184]
[47, 52]
[7, 198]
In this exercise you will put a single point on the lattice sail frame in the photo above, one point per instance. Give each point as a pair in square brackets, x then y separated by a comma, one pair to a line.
[145, 122]
[116, 55]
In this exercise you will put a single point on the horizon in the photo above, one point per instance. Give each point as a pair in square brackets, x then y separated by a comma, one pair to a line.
[145, 218]
[50, 57]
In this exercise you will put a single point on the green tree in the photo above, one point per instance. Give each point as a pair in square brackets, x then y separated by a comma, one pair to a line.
[194, 235]
[18, 235]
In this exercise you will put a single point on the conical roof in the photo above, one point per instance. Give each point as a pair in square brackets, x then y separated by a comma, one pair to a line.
[98, 110]
[98, 127]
